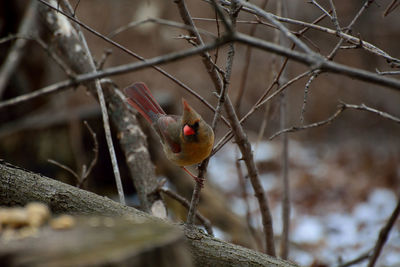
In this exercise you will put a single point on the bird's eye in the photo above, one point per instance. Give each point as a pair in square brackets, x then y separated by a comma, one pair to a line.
[196, 125]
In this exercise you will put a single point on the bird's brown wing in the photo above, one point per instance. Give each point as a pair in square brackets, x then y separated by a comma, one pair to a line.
[169, 129]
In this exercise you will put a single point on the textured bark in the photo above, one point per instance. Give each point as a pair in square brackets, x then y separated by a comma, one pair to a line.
[134, 145]
[18, 187]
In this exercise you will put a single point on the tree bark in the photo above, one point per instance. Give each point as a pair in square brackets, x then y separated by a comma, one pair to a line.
[18, 187]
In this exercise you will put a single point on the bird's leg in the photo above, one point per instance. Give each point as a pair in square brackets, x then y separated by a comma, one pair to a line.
[197, 179]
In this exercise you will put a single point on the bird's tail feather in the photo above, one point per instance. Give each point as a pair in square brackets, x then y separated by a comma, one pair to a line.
[140, 97]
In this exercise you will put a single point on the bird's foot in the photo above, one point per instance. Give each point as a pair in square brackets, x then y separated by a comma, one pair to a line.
[199, 180]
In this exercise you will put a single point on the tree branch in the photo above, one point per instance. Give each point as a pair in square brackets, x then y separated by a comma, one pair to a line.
[16, 52]
[19, 187]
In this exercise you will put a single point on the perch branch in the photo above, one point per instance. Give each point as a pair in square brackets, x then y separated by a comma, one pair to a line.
[19, 187]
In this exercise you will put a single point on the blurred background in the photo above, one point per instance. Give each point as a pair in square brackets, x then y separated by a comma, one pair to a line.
[345, 176]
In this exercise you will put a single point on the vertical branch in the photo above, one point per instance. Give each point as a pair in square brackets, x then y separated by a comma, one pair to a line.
[14, 55]
[383, 235]
[217, 114]
[104, 112]
[242, 186]
[240, 135]
[245, 73]
[284, 245]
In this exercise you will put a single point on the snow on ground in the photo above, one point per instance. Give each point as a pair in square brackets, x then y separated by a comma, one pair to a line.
[336, 211]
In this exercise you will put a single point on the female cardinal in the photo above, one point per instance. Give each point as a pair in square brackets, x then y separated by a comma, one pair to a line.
[186, 139]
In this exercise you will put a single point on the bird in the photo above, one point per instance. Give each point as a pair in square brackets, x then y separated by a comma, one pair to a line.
[186, 139]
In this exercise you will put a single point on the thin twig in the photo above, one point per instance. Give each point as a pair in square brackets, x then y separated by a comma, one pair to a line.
[86, 77]
[383, 235]
[203, 220]
[334, 17]
[103, 59]
[159, 21]
[81, 179]
[278, 24]
[314, 75]
[348, 38]
[243, 192]
[321, 8]
[246, 67]
[364, 256]
[334, 50]
[70, 73]
[312, 125]
[342, 106]
[391, 7]
[106, 121]
[16, 51]
[86, 172]
[68, 169]
[372, 110]
[228, 136]
[284, 244]
[216, 54]
[388, 72]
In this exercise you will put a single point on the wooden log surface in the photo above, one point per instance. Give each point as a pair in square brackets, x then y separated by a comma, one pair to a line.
[99, 241]
[19, 187]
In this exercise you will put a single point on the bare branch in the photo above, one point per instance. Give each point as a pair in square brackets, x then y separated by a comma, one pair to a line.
[85, 173]
[245, 72]
[240, 135]
[391, 7]
[321, 8]
[86, 77]
[262, 13]
[80, 179]
[68, 169]
[334, 50]
[348, 38]
[312, 125]
[157, 21]
[228, 136]
[364, 256]
[372, 110]
[203, 220]
[317, 62]
[387, 72]
[341, 108]
[106, 121]
[14, 55]
[383, 235]
[334, 17]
